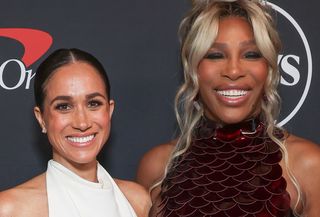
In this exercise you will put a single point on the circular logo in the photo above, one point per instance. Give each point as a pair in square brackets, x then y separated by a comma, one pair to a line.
[293, 63]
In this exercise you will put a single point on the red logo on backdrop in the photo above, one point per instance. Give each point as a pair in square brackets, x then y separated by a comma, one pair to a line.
[35, 42]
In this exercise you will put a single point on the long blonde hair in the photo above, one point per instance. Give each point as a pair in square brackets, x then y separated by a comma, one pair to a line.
[198, 31]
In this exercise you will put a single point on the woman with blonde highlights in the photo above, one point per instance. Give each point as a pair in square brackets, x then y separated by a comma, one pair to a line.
[230, 158]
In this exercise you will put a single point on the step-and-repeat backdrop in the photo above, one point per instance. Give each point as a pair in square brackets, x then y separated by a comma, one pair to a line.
[137, 43]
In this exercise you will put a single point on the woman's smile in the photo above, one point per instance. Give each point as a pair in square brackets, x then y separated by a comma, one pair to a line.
[81, 141]
[232, 74]
[77, 113]
[233, 97]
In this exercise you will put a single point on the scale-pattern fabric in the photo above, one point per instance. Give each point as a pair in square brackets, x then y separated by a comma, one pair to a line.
[227, 171]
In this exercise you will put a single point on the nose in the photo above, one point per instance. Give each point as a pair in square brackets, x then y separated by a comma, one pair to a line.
[81, 120]
[233, 69]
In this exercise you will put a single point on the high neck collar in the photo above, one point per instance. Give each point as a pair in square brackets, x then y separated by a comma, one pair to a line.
[208, 128]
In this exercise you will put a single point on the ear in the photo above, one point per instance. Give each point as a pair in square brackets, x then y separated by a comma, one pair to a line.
[111, 108]
[38, 114]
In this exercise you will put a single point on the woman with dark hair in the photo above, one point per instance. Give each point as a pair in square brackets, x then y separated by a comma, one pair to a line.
[230, 158]
[74, 109]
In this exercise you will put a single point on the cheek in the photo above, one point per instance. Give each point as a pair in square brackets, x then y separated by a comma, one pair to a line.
[103, 124]
[55, 121]
[102, 119]
[260, 76]
[205, 82]
[204, 72]
[56, 131]
[263, 72]
[208, 74]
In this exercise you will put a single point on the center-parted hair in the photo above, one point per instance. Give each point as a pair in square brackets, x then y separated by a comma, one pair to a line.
[198, 31]
[58, 59]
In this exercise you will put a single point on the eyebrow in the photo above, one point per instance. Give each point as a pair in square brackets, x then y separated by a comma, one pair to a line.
[95, 94]
[242, 44]
[218, 45]
[69, 98]
[249, 42]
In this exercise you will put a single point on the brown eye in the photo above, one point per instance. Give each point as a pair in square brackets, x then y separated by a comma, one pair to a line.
[63, 107]
[94, 103]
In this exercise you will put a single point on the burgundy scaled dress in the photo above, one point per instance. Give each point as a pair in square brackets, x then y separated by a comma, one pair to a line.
[229, 171]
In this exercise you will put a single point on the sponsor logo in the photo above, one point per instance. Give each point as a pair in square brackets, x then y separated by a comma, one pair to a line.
[35, 43]
[295, 65]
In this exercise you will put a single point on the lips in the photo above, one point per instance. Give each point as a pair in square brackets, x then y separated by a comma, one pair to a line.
[232, 97]
[232, 93]
[81, 140]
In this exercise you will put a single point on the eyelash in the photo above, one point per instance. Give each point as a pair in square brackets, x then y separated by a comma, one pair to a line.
[94, 103]
[247, 55]
[62, 107]
[214, 56]
[252, 55]
[66, 106]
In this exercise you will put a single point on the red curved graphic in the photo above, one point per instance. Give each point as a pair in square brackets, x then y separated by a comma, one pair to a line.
[35, 42]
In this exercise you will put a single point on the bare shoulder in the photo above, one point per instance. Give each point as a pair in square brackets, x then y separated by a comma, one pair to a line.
[304, 161]
[153, 163]
[303, 153]
[27, 199]
[137, 196]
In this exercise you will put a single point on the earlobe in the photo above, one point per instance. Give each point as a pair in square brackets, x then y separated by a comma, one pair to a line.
[38, 115]
[111, 107]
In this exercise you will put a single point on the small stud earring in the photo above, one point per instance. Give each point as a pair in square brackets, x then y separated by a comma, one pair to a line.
[44, 130]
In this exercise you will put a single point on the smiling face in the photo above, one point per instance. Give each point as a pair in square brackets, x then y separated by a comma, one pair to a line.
[76, 114]
[232, 74]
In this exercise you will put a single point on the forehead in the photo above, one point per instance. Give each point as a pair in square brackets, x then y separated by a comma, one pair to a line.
[75, 79]
[234, 27]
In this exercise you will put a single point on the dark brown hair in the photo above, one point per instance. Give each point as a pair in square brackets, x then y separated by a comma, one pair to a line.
[60, 58]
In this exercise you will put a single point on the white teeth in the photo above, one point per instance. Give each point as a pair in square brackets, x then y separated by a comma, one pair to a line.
[232, 93]
[80, 139]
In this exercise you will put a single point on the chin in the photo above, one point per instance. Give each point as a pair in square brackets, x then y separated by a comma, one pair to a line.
[232, 120]
[84, 159]
[229, 117]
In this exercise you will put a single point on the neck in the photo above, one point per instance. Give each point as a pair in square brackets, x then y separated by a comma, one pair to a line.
[208, 128]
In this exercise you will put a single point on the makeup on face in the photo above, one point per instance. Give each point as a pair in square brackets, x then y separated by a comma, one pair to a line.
[232, 74]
